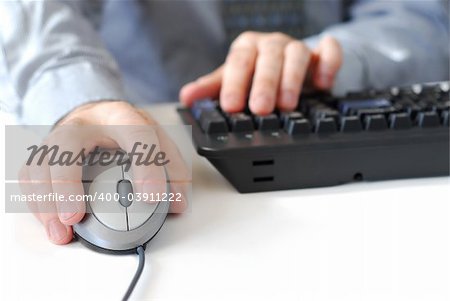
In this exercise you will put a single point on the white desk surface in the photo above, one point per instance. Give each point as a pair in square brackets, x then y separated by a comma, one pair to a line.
[366, 241]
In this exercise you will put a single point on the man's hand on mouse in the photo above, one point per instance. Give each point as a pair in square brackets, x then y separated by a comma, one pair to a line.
[87, 127]
[269, 67]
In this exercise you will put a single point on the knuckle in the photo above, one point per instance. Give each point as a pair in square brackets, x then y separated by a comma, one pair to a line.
[297, 47]
[330, 40]
[244, 40]
[62, 135]
[123, 113]
[247, 35]
[276, 54]
[121, 105]
[272, 48]
[240, 59]
[145, 117]
[279, 36]
[72, 120]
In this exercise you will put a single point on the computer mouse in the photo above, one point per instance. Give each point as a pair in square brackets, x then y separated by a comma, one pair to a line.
[115, 222]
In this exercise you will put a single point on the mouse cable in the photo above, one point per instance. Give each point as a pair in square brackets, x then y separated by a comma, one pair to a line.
[137, 275]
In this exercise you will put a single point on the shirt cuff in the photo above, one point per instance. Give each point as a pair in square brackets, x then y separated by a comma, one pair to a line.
[57, 92]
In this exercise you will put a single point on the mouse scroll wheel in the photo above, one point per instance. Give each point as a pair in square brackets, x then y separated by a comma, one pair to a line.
[125, 192]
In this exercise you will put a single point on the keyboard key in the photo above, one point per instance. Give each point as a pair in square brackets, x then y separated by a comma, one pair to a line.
[287, 116]
[350, 124]
[309, 104]
[367, 94]
[298, 126]
[325, 112]
[399, 121]
[445, 117]
[203, 106]
[428, 104]
[428, 119]
[362, 113]
[325, 125]
[353, 105]
[212, 122]
[441, 106]
[241, 122]
[267, 123]
[444, 97]
[375, 122]
[409, 107]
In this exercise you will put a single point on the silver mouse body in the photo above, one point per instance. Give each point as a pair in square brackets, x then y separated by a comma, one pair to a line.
[120, 224]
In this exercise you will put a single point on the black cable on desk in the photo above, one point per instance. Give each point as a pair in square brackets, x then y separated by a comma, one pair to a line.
[137, 275]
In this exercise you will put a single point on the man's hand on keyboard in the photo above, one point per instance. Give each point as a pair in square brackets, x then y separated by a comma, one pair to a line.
[110, 125]
[269, 67]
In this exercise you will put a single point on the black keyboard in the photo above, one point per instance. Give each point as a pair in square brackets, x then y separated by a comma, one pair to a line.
[370, 135]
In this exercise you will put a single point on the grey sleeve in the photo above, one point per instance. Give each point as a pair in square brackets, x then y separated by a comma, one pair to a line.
[51, 61]
[392, 43]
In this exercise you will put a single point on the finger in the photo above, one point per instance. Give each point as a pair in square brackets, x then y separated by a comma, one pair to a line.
[267, 75]
[329, 53]
[141, 138]
[179, 175]
[66, 178]
[153, 179]
[57, 232]
[25, 185]
[295, 66]
[207, 86]
[238, 71]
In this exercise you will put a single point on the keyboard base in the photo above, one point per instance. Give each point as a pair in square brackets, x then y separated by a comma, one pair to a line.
[267, 163]
[282, 171]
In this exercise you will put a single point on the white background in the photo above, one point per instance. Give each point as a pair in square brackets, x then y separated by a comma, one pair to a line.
[366, 241]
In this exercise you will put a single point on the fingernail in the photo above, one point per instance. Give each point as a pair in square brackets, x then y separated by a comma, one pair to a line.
[67, 209]
[66, 215]
[56, 231]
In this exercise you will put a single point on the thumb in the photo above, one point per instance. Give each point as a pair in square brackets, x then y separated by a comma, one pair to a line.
[207, 86]
[329, 60]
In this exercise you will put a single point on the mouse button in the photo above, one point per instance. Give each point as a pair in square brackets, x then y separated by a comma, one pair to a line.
[114, 221]
[110, 213]
[139, 212]
[105, 206]
[97, 172]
